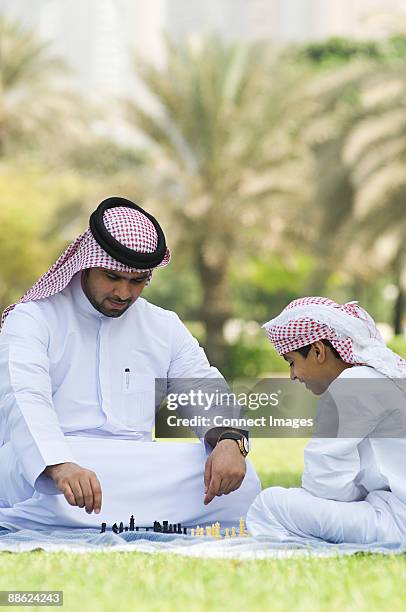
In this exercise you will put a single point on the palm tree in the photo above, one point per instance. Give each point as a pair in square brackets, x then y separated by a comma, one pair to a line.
[361, 186]
[35, 102]
[219, 135]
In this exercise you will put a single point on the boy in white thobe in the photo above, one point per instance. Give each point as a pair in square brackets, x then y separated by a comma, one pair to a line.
[79, 356]
[354, 485]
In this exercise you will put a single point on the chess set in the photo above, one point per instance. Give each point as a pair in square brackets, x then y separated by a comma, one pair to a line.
[214, 531]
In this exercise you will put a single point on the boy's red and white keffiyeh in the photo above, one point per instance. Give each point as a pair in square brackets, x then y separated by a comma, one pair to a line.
[349, 328]
[130, 227]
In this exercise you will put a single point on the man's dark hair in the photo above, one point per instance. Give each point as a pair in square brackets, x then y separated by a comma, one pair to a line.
[304, 350]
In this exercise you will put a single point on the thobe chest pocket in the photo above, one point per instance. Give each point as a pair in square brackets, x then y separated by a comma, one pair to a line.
[138, 399]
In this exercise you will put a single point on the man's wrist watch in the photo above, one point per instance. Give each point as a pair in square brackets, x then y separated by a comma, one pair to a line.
[239, 438]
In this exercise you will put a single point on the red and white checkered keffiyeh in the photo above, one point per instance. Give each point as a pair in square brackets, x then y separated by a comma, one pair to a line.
[130, 227]
[349, 328]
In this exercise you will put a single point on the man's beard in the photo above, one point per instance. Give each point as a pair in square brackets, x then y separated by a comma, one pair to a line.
[99, 306]
[108, 313]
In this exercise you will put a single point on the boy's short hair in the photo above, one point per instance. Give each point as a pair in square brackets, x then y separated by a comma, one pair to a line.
[304, 350]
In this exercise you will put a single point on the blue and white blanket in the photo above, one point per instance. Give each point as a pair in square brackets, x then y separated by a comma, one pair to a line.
[89, 540]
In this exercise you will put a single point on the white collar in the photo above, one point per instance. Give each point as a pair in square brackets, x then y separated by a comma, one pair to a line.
[80, 300]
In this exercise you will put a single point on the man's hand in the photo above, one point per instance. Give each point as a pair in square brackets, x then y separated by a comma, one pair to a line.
[80, 486]
[225, 470]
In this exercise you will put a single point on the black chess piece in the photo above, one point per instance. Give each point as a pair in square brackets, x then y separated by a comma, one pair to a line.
[185, 531]
[121, 528]
[125, 528]
[115, 528]
[165, 529]
[179, 528]
[103, 528]
[137, 528]
[132, 522]
[157, 527]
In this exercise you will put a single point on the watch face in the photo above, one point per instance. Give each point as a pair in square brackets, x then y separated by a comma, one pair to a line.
[241, 439]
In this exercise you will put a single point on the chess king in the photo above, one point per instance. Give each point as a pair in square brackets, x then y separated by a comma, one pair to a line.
[79, 356]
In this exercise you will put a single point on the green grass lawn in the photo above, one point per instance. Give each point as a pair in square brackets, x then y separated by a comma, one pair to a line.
[136, 581]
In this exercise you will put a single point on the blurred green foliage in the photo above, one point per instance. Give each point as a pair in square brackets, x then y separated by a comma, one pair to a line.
[252, 357]
[254, 181]
[338, 50]
[105, 156]
[262, 286]
[176, 287]
[30, 197]
[398, 345]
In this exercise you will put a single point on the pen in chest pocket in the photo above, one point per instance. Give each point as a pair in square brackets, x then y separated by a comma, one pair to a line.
[127, 378]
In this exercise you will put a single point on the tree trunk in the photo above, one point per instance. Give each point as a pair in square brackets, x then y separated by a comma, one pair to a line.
[399, 306]
[334, 197]
[398, 311]
[216, 308]
[318, 279]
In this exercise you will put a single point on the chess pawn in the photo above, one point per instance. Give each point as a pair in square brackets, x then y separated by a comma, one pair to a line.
[218, 530]
[192, 532]
[241, 531]
[233, 533]
[227, 534]
[208, 531]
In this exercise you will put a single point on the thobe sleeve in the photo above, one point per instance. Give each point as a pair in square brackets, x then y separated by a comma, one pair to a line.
[331, 467]
[190, 369]
[333, 464]
[27, 414]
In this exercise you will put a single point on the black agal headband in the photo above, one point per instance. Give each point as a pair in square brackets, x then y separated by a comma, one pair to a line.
[130, 258]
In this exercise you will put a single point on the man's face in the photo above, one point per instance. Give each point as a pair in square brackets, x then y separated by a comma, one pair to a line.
[310, 370]
[111, 292]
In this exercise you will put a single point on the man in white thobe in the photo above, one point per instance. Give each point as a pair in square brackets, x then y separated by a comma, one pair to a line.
[79, 355]
[354, 481]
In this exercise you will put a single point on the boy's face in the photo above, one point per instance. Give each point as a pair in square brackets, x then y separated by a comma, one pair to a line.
[314, 370]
